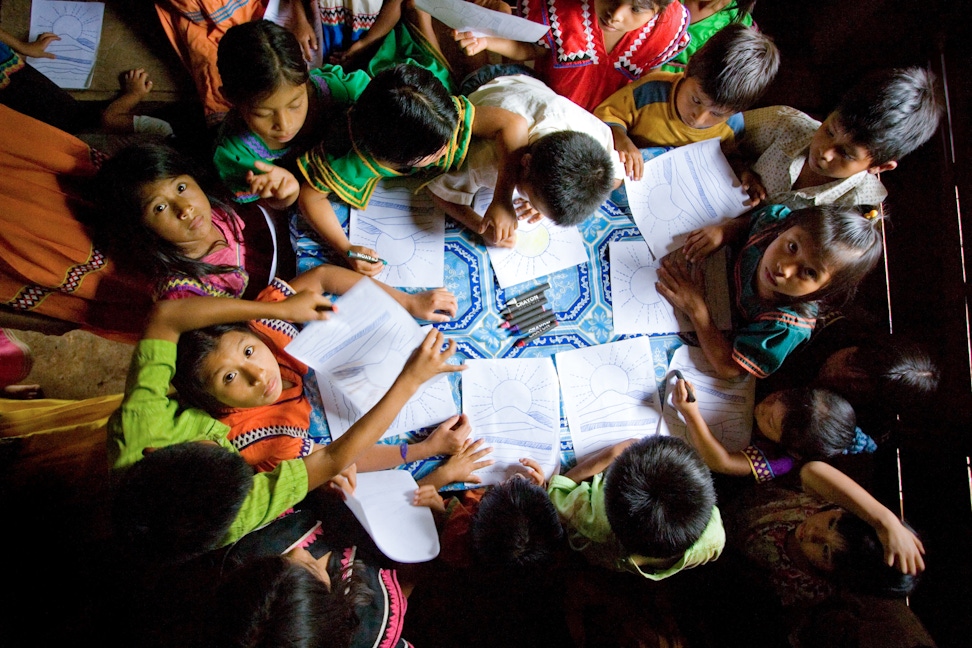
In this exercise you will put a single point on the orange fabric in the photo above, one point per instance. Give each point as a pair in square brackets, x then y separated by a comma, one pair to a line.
[48, 264]
[195, 28]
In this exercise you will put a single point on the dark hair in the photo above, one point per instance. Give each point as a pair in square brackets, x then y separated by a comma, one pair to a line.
[516, 526]
[193, 348]
[117, 225]
[901, 371]
[744, 8]
[657, 6]
[658, 495]
[860, 565]
[572, 173]
[891, 112]
[818, 423]
[735, 66]
[180, 500]
[255, 58]
[271, 601]
[405, 114]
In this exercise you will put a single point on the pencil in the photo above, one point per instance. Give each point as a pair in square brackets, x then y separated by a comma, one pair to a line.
[365, 257]
[688, 388]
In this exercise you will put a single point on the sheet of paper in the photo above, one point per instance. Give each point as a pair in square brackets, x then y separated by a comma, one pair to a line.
[408, 232]
[358, 353]
[726, 405]
[282, 13]
[610, 394]
[466, 16]
[640, 308]
[685, 189]
[382, 502]
[515, 406]
[79, 26]
[541, 249]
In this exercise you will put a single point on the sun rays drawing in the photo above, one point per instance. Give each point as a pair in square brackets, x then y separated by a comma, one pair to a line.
[79, 26]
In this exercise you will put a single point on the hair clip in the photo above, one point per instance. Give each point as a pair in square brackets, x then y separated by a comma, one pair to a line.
[871, 215]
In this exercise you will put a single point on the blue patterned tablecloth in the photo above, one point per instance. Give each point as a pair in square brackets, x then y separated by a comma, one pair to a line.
[580, 297]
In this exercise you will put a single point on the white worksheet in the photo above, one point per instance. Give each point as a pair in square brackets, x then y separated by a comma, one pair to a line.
[610, 394]
[382, 502]
[726, 405]
[407, 232]
[466, 16]
[79, 26]
[639, 307]
[358, 353]
[682, 190]
[514, 405]
[541, 249]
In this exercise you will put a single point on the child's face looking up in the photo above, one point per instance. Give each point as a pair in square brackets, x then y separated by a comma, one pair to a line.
[790, 267]
[179, 212]
[769, 414]
[834, 155]
[278, 117]
[241, 372]
[819, 539]
[622, 15]
[694, 107]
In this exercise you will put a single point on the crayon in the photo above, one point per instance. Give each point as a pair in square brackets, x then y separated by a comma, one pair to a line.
[526, 328]
[524, 313]
[527, 315]
[529, 302]
[691, 394]
[514, 301]
[522, 342]
[365, 257]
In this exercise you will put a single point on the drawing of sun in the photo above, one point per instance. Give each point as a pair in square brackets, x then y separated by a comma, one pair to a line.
[70, 21]
[520, 385]
[633, 278]
[532, 242]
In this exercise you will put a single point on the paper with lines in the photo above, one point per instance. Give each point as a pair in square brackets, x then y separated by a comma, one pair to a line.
[79, 26]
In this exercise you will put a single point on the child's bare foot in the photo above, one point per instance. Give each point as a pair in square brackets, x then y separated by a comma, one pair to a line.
[438, 305]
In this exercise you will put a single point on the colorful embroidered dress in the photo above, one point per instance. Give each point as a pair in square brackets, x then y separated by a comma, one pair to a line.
[10, 62]
[578, 66]
[344, 22]
[226, 284]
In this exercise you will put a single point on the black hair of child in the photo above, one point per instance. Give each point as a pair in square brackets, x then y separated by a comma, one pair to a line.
[659, 496]
[254, 58]
[572, 173]
[735, 66]
[192, 349]
[860, 565]
[657, 6]
[891, 112]
[404, 115]
[179, 501]
[516, 527]
[901, 371]
[818, 423]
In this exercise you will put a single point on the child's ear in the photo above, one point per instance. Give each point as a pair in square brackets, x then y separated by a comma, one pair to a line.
[887, 166]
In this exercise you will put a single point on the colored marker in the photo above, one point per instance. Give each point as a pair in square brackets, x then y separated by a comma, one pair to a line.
[522, 342]
[515, 301]
[365, 257]
[526, 328]
[691, 394]
[520, 321]
[529, 302]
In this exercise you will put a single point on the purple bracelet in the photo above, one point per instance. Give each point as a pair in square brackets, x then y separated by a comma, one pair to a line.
[404, 450]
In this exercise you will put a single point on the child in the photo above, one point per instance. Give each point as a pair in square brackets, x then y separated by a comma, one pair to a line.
[791, 267]
[795, 425]
[149, 418]
[585, 59]
[791, 159]
[727, 75]
[405, 123]
[565, 173]
[708, 17]
[649, 508]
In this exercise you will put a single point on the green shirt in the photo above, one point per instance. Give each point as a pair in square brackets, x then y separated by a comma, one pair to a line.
[701, 31]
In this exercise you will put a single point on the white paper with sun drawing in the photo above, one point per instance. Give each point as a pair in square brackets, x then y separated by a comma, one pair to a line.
[541, 249]
[610, 394]
[78, 24]
[682, 190]
[639, 307]
[358, 353]
[514, 405]
[407, 231]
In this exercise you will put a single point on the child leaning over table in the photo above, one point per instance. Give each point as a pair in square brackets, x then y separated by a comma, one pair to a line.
[646, 507]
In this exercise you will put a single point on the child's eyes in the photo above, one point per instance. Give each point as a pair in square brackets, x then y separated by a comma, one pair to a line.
[696, 101]
[158, 209]
[810, 273]
[228, 378]
[792, 247]
[182, 187]
[248, 351]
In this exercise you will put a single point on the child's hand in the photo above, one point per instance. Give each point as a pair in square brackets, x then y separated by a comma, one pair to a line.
[533, 472]
[305, 306]
[680, 398]
[525, 210]
[753, 185]
[347, 57]
[471, 45]
[901, 547]
[701, 243]
[461, 466]
[500, 220]
[430, 359]
[273, 182]
[437, 305]
[450, 437]
[629, 154]
[38, 48]
[427, 496]
[344, 483]
[304, 32]
[366, 268]
[682, 284]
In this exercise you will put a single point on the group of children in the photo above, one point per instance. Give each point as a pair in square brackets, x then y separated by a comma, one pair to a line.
[552, 141]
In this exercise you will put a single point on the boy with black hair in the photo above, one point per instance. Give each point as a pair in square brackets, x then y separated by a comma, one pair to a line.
[649, 508]
[789, 158]
[726, 76]
[565, 172]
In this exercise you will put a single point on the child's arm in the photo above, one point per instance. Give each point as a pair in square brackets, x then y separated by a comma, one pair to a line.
[460, 467]
[682, 287]
[388, 16]
[447, 439]
[303, 30]
[509, 131]
[36, 49]
[276, 186]
[713, 453]
[436, 305]
[428, 360]
[317, 209]
[511, 49]
[468, 218]
[630, 155]
[597, 462]
[901, 546]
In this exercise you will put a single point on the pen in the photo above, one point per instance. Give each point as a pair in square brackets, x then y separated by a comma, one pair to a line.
[522, 342]
[530, 326]
[528, 303]
[515, 301]
[691, 394]
[365, 257]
